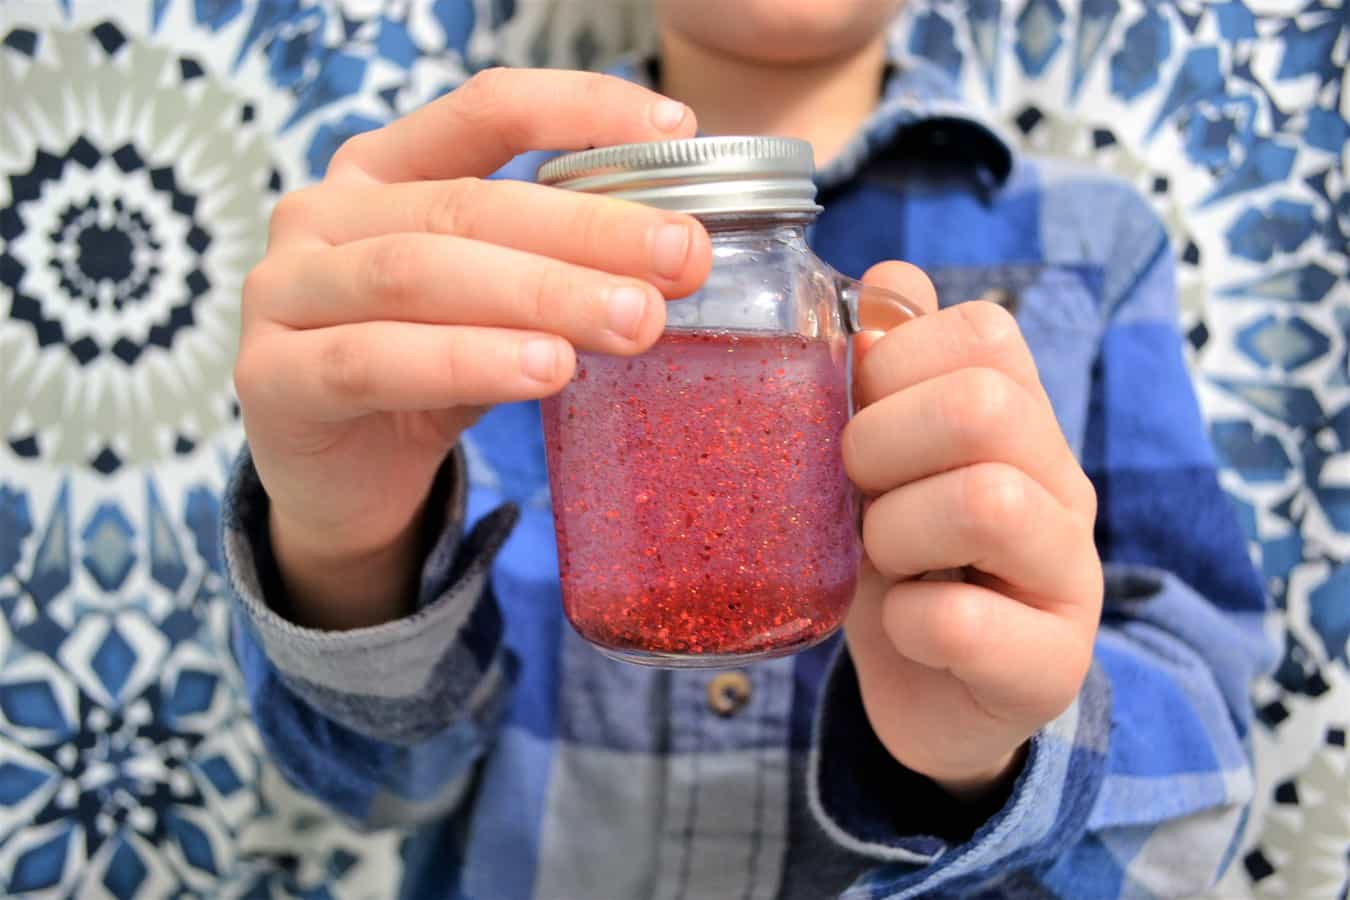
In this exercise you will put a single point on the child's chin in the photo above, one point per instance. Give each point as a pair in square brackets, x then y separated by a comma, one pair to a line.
[783, 32]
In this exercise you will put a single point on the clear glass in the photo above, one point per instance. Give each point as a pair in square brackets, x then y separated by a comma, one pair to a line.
[702, 512]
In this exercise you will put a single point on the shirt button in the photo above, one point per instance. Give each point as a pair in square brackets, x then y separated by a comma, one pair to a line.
[728, 692]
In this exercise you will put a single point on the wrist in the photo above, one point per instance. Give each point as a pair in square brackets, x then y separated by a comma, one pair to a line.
[336, 586]
[980, 785]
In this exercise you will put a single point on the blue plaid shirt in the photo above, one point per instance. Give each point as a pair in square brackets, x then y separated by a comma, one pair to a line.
[528, 765]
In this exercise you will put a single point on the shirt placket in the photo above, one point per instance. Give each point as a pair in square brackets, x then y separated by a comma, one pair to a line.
[725, 808]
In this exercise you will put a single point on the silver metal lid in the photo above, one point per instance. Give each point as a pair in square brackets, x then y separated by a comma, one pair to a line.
[701, 176]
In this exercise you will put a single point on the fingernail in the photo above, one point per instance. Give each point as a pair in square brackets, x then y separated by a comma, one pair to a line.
[539, 359]
[670, 249]
[627, 306]
[668, 114]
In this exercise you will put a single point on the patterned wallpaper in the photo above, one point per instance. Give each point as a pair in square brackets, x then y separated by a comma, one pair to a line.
[142, 143]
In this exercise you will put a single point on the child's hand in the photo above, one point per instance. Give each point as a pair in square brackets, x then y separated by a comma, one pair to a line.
[403, 294]
[975, 616]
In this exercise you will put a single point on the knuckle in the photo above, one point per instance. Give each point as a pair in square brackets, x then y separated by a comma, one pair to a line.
[854, 461]
[872, 544]
[257, 284]
[388, 268]
[589, 225]
[988, 324]
[451, 211]
[451, 369]
[261, 283]
[292, 211]
[480, 96]
[866, 469]
[596, 87]
[981, 406]
[344, 369]
[483, 103]
[349, 153]
[544, 288]
[957, 629]
[1094, 585]
[881, 365]
[878, 540]
[249, 372]
[994, 499]
[1087, 497]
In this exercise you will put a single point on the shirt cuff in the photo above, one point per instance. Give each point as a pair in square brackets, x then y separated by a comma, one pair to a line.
[400, 681]
[872, 805]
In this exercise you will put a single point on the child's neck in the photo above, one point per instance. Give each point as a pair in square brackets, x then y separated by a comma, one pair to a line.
[821, 102]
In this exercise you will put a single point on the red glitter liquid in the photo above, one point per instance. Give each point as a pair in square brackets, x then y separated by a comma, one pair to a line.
[699, 496]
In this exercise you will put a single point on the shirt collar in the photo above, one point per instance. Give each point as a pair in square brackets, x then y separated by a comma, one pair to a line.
[917, 97]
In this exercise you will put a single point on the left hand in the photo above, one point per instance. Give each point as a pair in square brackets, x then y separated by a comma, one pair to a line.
[981, 587]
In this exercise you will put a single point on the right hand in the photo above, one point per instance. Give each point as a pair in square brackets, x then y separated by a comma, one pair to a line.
[403, 294]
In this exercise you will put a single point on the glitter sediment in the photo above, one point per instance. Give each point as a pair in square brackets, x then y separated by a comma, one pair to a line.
[699, 496]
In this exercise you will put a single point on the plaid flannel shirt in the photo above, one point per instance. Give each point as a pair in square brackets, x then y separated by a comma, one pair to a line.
[528, 765]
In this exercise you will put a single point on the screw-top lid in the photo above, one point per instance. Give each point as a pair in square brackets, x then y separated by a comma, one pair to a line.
[701, 176]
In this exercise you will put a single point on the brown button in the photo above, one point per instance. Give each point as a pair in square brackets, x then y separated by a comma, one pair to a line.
[728, 692]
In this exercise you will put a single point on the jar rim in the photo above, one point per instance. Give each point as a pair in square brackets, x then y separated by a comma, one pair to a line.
[706, 175]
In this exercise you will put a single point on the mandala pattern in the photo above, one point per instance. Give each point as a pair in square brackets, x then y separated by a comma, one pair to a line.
[140, 153]
[135, 198]
[141, 146]
[117, 730]
[128, 764]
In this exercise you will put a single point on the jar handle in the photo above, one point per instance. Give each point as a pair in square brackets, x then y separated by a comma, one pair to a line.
[865, 307]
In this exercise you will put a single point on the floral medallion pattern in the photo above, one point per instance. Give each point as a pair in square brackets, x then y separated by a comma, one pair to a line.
[141, 147]
[141, 150]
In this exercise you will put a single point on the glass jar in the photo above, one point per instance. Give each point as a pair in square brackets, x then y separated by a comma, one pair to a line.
[702, 512]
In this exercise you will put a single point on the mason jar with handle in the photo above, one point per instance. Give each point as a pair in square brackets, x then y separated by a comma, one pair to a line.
[702, 512]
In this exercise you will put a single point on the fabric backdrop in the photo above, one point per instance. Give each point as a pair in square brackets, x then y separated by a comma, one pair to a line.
[142, 143]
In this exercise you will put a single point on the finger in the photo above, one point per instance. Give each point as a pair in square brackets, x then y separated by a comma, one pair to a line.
[904, 279]
[863, 342]
[993, 518]
[347, 371]
[974, 334]
[501, 113]
[668, 250]
[1017, 661]
[441, 280]
[909, 281]
[959, 419]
